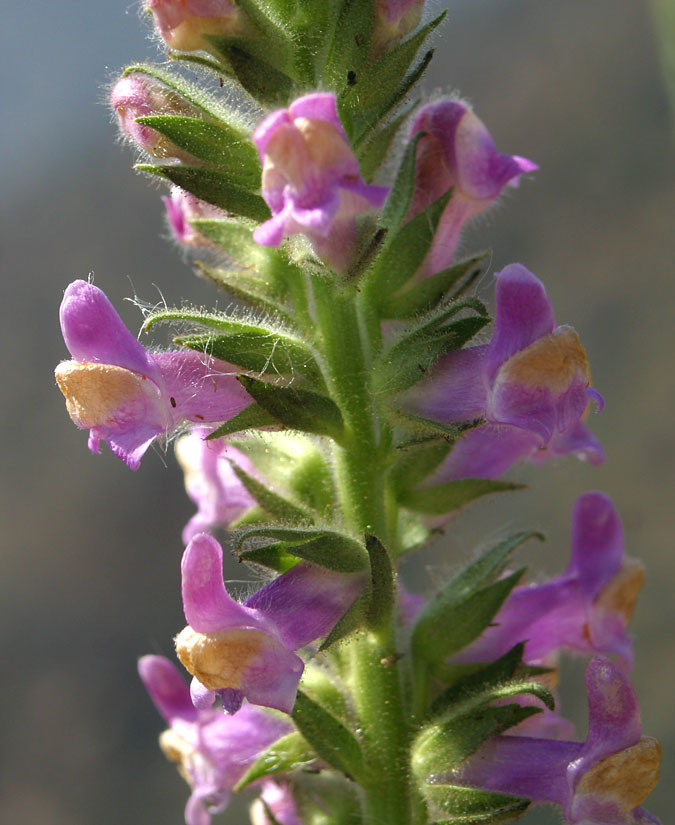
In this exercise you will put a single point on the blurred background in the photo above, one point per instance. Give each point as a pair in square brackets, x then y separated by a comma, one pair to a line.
[89, 575]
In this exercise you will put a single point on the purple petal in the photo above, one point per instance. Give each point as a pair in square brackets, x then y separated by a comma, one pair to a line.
[319, 106]
[524, 314]
[208, 606]
[202, 698]
[486, 452]
[597, 542]
[167, 688]
[306, 602]
[94, 332]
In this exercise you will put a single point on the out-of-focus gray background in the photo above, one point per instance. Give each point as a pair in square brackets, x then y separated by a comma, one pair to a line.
[89, 570]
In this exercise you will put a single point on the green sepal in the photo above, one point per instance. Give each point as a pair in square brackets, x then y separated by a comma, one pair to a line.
[349, 46]
[283, 756]
[425, 295]
[262, 80]
[375, 150]
[250, 418]
[268, 17]
[379, 87]
[425, 428]
[400, 196]
[260, 351]
[467, 604]
[444, 744]
[297, 409]
[450, 496]
[352, 619]
[273, 556]
[276, 505]
[329, 737]
[417, 461]
[313, 24]
[325, 548]
[406, 249]
[213, 186]
[470, 806]
[249, 288]
[382, 590]
[408, 360]
[214, 143]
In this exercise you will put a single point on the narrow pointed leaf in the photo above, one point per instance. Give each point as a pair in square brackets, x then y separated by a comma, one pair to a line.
[424, 295]
[273, 556]
[329, 737]
[283, 756]
[396, 207]
[214, 143]
[448, 497]
[375, 150]
[350, 45]
[417, 462]
[213, 186]
[470, 806]
[250, 418]
[382, 593]
[249, 289]
[297, 409]
[325, 548]
[272, 502]
[352, 619]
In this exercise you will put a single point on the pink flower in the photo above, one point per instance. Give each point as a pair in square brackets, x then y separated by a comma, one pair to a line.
[457, 152]
[127, 396]
[183, 207]
[393, 20]
[311, 179]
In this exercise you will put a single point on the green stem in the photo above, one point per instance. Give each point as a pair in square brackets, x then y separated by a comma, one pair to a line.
[349, 333]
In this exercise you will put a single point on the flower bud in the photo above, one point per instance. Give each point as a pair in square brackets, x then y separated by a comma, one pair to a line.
[137, 95]
[183, 207]
[182, 24]
[394, 19]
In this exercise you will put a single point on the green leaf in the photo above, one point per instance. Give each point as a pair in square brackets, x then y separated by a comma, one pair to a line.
[272, 556]
[250, 418]
[379, 88]
[261, 351]
[426, 294]
[477, 685]
[350, 45]
[351, 620]
[257, 75]
[396, 207]
[461, 623]
[382, 591]
[213, 186]
[325, 548]
[283, 756]
[214, 143]
[450, 496]
[272, 502]
[329, 737]
[375, 150]
[406, 249]
[470, 806]
[418, 461]
[249, 288]
[297, 409]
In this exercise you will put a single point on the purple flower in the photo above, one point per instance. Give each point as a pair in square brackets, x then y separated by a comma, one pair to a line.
[182, 23]
[531, 383]
[457, 152]
[311, 179]
[247, 650]
[127, 396]
[601, 781]
[137, 95]
[213, 750]
[211, 482]
[183, 207]
[587, 609]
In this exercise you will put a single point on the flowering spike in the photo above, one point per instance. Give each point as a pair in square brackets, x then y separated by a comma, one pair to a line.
[311, 179]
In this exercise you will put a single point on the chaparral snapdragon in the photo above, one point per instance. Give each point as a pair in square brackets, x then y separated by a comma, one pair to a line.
[352, 400]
